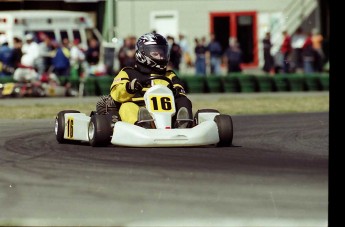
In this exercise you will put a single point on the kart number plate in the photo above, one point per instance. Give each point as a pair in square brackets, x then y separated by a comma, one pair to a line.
[162, 103]
[70, 122]
[8, 89]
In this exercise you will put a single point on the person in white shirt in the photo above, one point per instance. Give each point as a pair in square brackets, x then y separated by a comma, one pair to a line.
[78, 59]
[31, 49]
[297, 42]
[27, 71]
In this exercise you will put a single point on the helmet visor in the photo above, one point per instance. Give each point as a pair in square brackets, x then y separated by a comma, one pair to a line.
[157, 52]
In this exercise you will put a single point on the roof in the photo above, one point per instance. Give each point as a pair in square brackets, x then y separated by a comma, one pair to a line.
[39, 13]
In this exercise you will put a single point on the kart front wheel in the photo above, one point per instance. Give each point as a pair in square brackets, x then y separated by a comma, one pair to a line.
[99, 130]
[60, 125]
[225, 130]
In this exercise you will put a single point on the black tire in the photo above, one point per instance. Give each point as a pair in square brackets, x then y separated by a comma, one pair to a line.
[196, 116]
[38, 91]
[225, 130]
[60, 125]
[100, 130]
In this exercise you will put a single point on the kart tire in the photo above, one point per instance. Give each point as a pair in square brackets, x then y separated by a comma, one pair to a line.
[100, 130]
[225, 130]
[60, 125]
[38, 91]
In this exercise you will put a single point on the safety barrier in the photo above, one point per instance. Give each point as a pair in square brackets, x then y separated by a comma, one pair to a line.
[256, 83]
[233, 83]
[94, 85]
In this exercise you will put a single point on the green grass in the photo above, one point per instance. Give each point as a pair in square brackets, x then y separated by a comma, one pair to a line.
[228, 104]
[270, 105]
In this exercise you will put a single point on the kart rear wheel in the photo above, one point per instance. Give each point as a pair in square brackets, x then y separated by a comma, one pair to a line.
[60, 125]
[225, 130]
[100, 130]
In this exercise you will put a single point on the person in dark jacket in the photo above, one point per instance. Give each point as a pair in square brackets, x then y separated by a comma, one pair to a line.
[268, 58]
[233, 55]
[175, 54]
[6, 63]
[60, 60]
[17, 52]
[200, 56]
[214, 50]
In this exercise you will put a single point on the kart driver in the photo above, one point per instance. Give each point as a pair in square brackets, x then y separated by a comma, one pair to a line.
[128, 87]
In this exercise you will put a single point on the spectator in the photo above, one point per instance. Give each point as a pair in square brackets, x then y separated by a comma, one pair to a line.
[317, 40]
[26, 70]
[60, 60]
[268, 58]
[66, 44]
[215, 53]
[200, 56]
[43, 61]
[30, 51]
[308, 54]
[127, 52]
[6, 62]
[286, 51]
[78, 59]
[93, 52]
[175, 54]
[186, 55]
[93, 55]
[17, 52]
[77, 53]
[297, 41]
[233, 56]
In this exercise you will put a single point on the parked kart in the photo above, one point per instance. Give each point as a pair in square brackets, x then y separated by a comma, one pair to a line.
[29, 84]
[20, 89]
[104, 126]
[34, 89]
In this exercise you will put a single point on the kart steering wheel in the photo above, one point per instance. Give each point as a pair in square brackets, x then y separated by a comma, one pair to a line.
[170, 85]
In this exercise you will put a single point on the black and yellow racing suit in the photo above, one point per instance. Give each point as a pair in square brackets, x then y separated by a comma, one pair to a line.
[130, 103]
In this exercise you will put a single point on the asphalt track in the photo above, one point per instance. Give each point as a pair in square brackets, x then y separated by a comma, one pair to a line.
[275, 174]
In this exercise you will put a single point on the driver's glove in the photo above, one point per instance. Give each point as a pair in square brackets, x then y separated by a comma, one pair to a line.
[179, 91]
[133, 86]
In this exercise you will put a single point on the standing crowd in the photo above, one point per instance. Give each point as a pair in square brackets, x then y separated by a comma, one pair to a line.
[299, 53]
[33, 56]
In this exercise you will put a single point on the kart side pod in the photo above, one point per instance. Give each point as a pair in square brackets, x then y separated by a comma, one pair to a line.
[224, 124]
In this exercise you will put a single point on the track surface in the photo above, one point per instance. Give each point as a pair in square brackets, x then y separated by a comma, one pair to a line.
[275, 174]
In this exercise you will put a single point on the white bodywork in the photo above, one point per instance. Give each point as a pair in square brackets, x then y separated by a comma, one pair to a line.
[76, 126]
[126, 134]
[161, 105]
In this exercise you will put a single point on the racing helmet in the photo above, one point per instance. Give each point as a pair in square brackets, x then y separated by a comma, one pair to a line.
[152, 52]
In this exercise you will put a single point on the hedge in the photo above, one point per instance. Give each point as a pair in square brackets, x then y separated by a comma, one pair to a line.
[233, 83]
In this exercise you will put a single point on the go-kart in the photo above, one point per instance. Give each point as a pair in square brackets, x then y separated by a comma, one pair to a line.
[104, 126]
[34, 89]
[21, 89]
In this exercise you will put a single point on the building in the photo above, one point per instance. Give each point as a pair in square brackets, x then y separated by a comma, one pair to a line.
[247, 20]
